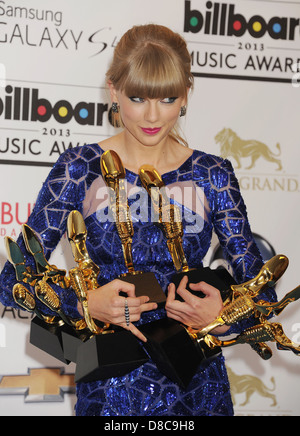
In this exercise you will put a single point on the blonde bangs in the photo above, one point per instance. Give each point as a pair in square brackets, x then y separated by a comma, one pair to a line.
[153, 74]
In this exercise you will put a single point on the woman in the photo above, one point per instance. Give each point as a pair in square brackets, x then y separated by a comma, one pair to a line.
[149, 81]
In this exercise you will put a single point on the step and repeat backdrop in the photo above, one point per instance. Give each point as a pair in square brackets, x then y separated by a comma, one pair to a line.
[245, 107]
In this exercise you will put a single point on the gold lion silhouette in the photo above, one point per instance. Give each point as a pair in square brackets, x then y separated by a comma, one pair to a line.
[232, 145]
[249, 384]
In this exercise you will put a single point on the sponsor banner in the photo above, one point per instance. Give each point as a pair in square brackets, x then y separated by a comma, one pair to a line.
[245, 107]
[245, 40]
[50, 120]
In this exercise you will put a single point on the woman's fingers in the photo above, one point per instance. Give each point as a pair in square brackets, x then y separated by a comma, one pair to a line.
[135, 331]
[204, 287]
[107, 305]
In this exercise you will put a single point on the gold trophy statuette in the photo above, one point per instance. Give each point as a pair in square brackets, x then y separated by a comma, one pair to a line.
[87, 270]
[239, 307]
[103, 352]
[48, 296]
[83, 279]
[78, 284]
[35, 248]
[103, 355]
[169, 217]
[26, 301]
[113, 174]
[15, 256]
[269, 274]
[77, 235]
[169, 220]
[243, 306]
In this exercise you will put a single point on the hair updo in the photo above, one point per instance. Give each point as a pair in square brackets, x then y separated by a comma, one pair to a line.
[151, 61]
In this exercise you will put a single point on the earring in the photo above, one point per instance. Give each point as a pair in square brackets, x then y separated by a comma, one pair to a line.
[183, 111]
[115, 108]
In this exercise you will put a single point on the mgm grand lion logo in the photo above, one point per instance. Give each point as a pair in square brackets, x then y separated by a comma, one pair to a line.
[232, 145]
[249, 385]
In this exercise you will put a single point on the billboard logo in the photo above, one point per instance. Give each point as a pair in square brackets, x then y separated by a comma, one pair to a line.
[222, 19]
[25, 104]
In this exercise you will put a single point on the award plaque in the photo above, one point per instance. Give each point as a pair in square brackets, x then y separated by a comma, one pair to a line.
[113, 174]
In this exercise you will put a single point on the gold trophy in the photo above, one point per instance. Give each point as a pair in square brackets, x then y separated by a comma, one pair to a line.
[35, 248]
[45, 331]
[168, 219]
[104, 351]
[241, 308]
[113, 174]
[166, 341]
[88, 272]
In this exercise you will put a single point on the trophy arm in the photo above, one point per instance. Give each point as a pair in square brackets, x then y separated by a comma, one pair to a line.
[125, 231]
[283, 342]
[256, 336]
[267, 308]
[236, 311]
[269, 274]
[79, 286]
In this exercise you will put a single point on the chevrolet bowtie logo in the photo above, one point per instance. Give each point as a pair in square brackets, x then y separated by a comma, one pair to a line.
[46, 384]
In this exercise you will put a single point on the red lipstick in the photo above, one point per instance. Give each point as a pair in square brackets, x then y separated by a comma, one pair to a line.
[150, 131]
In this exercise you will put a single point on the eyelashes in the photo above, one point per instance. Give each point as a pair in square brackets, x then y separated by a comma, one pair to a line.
[167, 100]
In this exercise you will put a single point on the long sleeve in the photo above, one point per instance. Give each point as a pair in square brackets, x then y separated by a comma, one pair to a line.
[231, 225]
[62, 192]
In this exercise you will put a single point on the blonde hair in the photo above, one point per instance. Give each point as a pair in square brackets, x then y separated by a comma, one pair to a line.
[151, 61]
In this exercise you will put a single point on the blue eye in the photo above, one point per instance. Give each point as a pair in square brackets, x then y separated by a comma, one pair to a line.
[137, 99]
[169, 100]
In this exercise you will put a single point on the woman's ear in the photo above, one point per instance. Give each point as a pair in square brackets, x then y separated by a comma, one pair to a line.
[112, 91]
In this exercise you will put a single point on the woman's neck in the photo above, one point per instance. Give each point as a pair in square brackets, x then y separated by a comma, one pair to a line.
[165, 156]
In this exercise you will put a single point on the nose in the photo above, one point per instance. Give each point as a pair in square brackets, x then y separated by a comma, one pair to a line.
[152, 111]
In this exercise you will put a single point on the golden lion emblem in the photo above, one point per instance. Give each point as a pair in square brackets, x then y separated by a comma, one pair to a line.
[248, 385]
[232, 145]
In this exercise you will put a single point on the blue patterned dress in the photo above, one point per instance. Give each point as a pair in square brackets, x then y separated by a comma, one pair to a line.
[75, 182]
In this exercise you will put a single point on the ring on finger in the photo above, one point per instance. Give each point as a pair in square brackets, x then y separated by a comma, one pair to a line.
[127, 314]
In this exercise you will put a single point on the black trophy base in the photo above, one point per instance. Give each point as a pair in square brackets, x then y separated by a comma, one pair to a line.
[146, 284]
[108, 355]
[48, 338]
[71, 340]
[219, 278]
[173, 350]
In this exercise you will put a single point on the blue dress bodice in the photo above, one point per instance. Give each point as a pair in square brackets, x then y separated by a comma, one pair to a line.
[75, 182]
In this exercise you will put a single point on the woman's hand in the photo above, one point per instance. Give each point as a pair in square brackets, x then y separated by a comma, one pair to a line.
[195, 312]
[106, 305]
